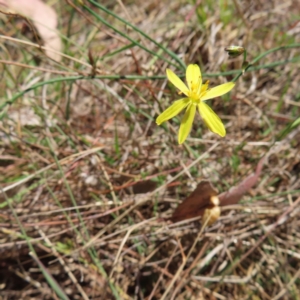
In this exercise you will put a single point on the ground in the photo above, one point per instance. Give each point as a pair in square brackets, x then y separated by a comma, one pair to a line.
[89, 181]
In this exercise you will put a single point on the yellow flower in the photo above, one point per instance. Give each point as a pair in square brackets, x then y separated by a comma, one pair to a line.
[196, 93]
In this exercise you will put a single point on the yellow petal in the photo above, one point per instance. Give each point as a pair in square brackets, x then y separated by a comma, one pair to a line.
[193, 77]
[218, 91]
[177, 82]
[212, 121]
[173, 110]
[186, 123]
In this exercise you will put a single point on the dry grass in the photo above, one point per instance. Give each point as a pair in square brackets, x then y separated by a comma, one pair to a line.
[87, 175]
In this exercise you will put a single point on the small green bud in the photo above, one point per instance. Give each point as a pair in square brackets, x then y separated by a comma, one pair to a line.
[234, 51]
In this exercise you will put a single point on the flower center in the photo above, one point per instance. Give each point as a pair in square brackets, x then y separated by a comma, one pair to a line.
[197, 90]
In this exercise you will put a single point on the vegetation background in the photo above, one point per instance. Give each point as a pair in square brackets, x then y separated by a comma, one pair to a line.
[87, 176]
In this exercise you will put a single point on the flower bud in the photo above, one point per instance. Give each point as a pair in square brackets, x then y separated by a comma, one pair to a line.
[234, 51]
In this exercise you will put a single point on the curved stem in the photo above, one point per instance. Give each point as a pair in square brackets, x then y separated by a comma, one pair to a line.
[103, 8]
[239, 73]
[256, 59]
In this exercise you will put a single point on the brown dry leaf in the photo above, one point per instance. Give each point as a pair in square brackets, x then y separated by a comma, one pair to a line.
[43, 17]
[203, 201]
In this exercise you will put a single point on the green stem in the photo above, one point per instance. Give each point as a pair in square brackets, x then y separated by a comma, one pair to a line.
[139, 77]
[172, 54]
[259, 57]
[245, 56]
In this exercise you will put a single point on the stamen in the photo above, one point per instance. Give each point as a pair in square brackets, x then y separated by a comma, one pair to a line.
[204, 89]
[199, 84]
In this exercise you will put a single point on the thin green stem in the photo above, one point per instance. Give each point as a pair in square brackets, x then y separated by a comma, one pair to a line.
[259, 57]
[140, 77]
[245, 56]
[135, 42]
[166, 50]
